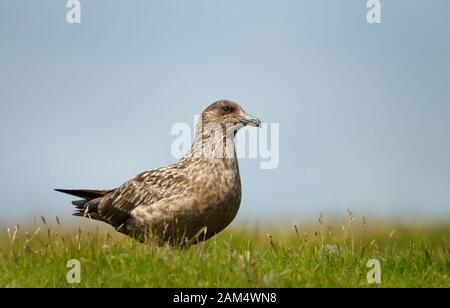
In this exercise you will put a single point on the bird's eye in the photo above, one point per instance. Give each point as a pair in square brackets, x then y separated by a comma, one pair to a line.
[226, 108]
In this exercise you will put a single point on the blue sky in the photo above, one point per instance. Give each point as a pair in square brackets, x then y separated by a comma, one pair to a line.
[363, 109]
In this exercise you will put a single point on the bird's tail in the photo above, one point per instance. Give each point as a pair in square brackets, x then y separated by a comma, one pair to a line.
[88, 205]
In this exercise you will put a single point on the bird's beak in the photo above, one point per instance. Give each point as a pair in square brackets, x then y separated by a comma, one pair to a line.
[249, 120]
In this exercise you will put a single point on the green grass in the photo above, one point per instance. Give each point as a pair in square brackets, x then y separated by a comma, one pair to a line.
[291, 256]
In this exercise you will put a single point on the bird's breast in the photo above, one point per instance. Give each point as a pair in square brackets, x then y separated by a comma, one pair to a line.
[219, 193]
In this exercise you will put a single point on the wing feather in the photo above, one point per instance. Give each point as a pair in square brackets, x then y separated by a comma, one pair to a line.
[143, 190]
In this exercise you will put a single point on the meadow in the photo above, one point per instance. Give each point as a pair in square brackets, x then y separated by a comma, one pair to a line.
[320, 254]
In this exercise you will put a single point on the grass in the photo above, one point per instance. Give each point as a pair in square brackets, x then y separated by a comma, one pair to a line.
[320, 255]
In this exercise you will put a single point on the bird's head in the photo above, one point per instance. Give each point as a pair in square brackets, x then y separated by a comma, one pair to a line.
[227, 116]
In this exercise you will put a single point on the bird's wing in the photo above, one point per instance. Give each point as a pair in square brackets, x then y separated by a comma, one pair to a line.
[143, 190]
[87, 194]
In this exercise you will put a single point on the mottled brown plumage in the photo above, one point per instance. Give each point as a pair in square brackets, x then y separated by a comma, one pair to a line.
[185, 202]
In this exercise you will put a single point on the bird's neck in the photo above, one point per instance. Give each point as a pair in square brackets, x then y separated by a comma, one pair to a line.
[214, 150]
[212, 157]
[213, 145]
[212, 162]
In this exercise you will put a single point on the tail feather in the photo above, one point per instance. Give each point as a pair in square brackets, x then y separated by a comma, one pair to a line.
[79, 204]
[84, 208]
[88, 206]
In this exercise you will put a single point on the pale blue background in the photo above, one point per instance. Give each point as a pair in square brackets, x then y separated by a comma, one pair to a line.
[363, 109]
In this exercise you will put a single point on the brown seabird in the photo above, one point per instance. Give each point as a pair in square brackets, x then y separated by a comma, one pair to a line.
[185, 202]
